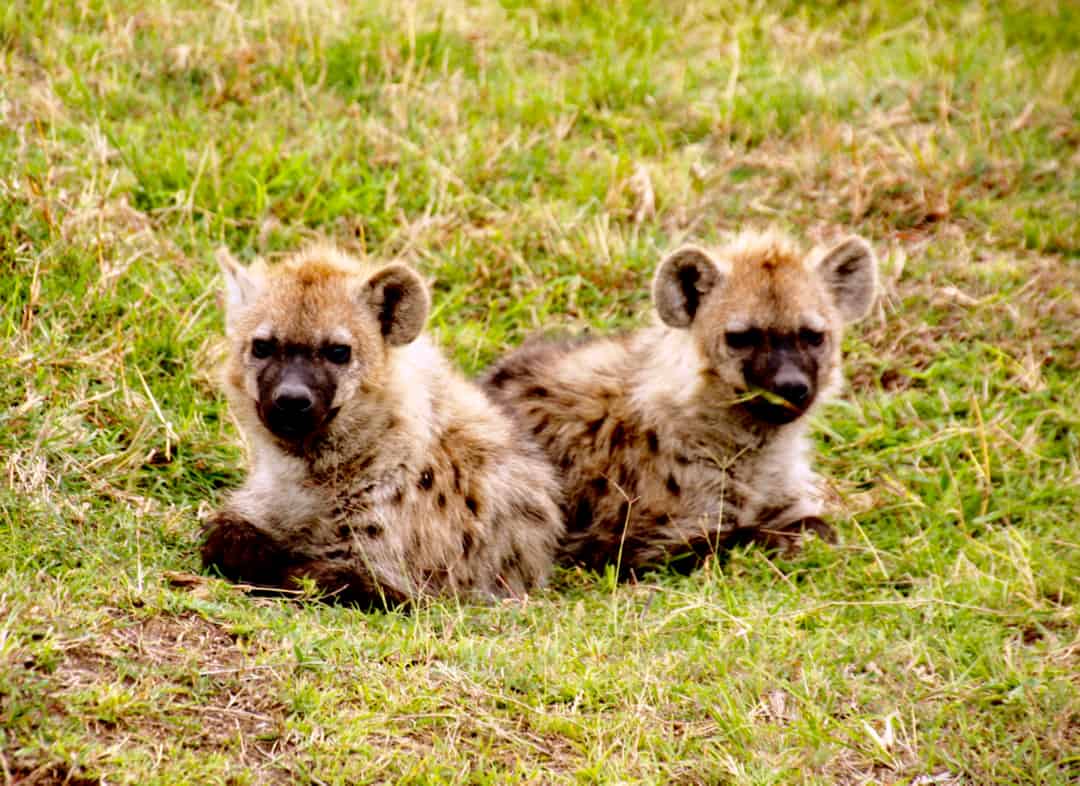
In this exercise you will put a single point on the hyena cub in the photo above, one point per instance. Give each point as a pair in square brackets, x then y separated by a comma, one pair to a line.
[686, 436]
[376, 470]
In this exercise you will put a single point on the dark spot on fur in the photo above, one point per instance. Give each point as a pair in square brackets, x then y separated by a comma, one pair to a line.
[470, 503]
[399, 496]
[466, 544]
[344, 531]
[457, 478]
[441, 500]
[662, 520]
[599, 485]
[373, 530]
[618, 436]
[537, 391]
[338, 553]
[673, 485]
[582, 515]
[767, 514]
[594, 426]
[391, 423]
[427, 478]
[539, 427]
[364, 463]
[628, 478]
[511, 561]
[500, 377]
[682, 459]
[653, 441]
[531, 513]
[566, 462]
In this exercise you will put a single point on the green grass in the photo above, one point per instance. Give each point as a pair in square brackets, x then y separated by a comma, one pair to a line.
[496, 147]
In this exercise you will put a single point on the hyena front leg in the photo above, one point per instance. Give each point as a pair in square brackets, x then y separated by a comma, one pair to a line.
[240, 551]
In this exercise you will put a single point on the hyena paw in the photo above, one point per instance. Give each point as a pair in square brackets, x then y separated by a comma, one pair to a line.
[344, 582]
[788, 538]
[240, 551]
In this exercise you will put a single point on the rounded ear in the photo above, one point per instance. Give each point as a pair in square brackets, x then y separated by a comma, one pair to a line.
[399, 301]
[849, 271]
[681, 281]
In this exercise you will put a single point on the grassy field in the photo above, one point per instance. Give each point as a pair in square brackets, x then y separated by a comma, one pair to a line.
[535, 160]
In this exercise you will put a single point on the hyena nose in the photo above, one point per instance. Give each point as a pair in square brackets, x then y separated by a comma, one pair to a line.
[293, 400]
[795, 391]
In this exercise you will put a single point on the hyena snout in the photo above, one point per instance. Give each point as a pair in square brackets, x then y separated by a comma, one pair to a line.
[295, 402]
[787, 383]
[794, 386]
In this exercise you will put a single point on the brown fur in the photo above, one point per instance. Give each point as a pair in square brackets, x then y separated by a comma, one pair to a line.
[660, 460]
[417, 485]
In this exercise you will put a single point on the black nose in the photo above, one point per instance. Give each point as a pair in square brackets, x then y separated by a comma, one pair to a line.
[293, 402]
[795, 392]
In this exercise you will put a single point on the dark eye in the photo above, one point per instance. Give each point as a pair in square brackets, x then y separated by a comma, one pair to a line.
[337, 353]
[743, 339]
[813, 338]
[262, 348]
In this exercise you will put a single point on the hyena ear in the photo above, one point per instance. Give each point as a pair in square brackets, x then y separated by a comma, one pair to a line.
[243, 285]
[849, 271]
[399, 301]
[681, 281]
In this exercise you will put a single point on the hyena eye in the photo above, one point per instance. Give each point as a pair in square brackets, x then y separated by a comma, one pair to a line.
[262, 348]
[337, 353]
[743, 339]
[813, 338]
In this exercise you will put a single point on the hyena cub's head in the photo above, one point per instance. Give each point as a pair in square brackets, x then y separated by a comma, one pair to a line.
[309, 334]
[767, 318]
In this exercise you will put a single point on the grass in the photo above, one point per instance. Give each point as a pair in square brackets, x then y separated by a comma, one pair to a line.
[535, 159]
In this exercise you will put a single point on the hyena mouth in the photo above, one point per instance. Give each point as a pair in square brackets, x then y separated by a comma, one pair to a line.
[292, 426]
[774, 409]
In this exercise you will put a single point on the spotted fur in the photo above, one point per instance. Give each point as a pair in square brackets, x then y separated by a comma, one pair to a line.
[666, 448]
[417, 484]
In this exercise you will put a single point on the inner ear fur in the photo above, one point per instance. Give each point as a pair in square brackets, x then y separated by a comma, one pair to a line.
[681, 283]
[399, 301]
[849, 271]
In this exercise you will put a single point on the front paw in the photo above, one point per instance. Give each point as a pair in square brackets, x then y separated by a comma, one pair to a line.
[348, 583]
[788, 538]
[240, 551]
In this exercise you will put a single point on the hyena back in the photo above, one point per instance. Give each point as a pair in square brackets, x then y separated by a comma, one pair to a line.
[680, 438]
[375, 469]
